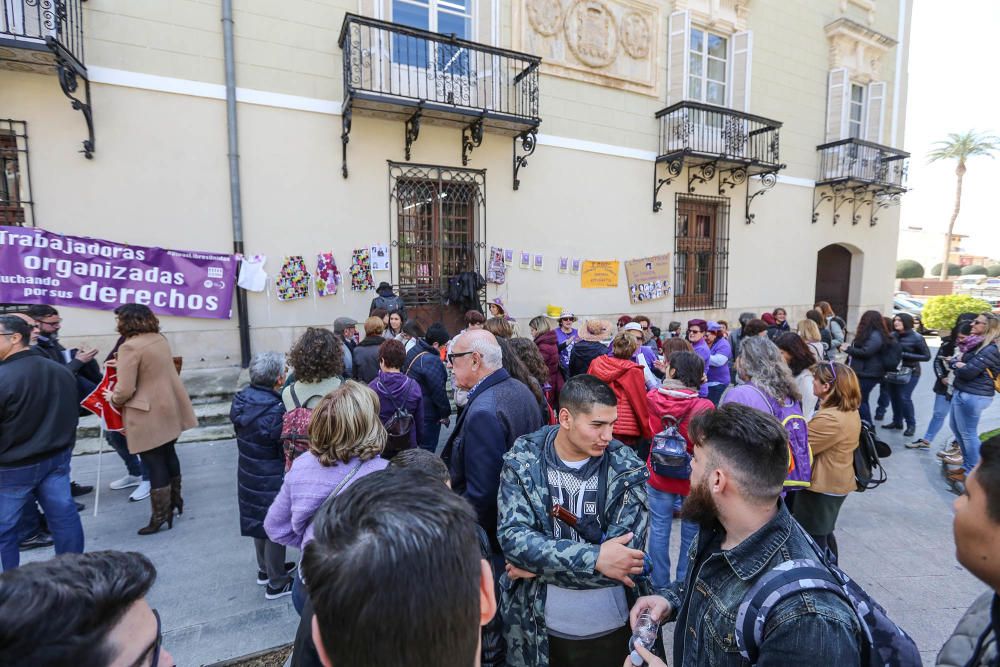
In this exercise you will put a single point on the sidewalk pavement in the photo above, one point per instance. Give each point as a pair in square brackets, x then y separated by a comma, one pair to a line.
[896, 541]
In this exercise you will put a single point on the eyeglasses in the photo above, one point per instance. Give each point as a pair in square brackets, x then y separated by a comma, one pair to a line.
[644, 328]
[693, 331]
[8, 334]
[983, 322]
[456, 355]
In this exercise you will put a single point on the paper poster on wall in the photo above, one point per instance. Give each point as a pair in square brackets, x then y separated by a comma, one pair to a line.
[496, 270]
[380, 257]
[648, 278]
[599, 274]
[575, 266]
[564, 265]
[508, 256]
[327, 274]
[293, 279]
[539, 263]
[525, 260]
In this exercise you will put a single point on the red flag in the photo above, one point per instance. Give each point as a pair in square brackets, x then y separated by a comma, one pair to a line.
[106, 410]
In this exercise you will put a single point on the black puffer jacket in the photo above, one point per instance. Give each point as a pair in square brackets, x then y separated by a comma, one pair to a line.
[256, 414]
[866, 356]
[914, 349]
[974, 377]
[366, 359]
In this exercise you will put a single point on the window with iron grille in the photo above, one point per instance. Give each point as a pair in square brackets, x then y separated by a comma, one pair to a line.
[439, 227]
[16, 207]
[701, 252]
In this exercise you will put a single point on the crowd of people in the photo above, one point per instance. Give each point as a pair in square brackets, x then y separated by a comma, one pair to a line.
[538, 532]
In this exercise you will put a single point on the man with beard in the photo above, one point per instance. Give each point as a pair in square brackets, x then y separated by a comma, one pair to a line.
[738, 467]
[570, 578]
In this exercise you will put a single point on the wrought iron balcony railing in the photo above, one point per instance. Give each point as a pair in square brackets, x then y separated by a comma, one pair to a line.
[706, 132]
[395, 71]
[853, 163]
[44, 27]
[45, 36]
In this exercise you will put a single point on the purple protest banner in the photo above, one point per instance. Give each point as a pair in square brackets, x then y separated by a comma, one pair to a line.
[37, 266]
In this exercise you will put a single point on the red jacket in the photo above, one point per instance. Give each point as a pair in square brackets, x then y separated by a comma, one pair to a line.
[549, 348]
[626, 379]
[682, 404]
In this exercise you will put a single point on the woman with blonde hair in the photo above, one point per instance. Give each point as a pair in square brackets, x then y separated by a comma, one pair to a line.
[346, 438]
[834, 432]
[975, 384]
[500, 327]
[810, 333]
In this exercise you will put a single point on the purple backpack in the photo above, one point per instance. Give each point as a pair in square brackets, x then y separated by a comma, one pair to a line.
[800, 454]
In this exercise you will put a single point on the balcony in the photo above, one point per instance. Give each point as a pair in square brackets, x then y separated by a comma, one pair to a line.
[396, 72]
[860, 173]
[45, 36]
[710, 141]
[853, 162]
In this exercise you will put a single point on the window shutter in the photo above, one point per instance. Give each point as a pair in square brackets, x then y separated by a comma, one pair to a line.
[679, 31]
[837, 98]
[739, 89]
[875, 113]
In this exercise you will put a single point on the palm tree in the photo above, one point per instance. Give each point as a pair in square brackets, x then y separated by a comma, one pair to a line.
[960, 147]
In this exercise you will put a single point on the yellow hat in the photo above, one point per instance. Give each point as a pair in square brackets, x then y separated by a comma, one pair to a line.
[553, 311]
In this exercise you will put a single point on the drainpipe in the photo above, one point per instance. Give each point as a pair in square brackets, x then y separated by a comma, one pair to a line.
[234, 174]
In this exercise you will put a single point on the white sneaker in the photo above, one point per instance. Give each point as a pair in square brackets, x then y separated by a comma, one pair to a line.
[125, 482]
[141, 491]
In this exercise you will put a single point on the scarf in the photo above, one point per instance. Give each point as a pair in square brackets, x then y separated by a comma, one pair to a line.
[970, 344]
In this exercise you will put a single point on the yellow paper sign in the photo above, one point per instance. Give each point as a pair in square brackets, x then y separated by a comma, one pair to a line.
[599, 274]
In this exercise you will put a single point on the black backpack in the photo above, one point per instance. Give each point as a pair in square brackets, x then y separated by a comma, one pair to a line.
[398, 425]
[868, 470]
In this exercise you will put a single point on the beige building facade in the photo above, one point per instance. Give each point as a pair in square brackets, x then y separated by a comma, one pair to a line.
[755, 142]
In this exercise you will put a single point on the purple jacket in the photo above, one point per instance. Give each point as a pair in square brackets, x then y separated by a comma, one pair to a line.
[306, 486]
[398, 390]
[701, 349]
[751, 396]
[565, 342]
[720, 374]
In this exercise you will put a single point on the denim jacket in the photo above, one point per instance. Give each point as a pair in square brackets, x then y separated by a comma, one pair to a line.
[814, 627]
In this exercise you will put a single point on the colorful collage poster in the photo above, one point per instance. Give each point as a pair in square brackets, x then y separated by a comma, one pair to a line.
[496, 270]
[361, 270]
[327, 274]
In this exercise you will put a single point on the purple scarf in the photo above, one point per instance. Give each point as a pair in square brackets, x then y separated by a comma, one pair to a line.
[970, 344]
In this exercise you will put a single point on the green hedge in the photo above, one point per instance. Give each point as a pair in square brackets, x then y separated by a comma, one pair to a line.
[909, 268]
[940, 312]
[953, 270]
[974, 270]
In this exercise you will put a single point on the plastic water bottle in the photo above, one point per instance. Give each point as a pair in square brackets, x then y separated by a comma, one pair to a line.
[644, 635]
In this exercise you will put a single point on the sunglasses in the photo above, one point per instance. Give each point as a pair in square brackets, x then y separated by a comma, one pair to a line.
[694, 331]
[452, 357]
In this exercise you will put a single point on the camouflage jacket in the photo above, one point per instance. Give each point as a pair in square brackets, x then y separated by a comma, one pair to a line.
[525, 534]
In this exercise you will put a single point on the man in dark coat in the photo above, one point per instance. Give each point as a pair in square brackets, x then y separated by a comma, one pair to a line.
[499, 411]
[365, 355]
[424, 365]
[38, 420]
[257, 413]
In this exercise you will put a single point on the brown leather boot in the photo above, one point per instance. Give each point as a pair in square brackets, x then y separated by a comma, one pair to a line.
[160, 500]
[176, 502]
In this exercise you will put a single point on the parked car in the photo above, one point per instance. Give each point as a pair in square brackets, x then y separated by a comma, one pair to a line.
[901, 304]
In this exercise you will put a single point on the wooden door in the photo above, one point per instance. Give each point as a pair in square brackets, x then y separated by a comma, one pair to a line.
[833, 277]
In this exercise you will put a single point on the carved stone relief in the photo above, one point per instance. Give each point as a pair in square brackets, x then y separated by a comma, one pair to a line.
[858, 48]
[610, 42]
